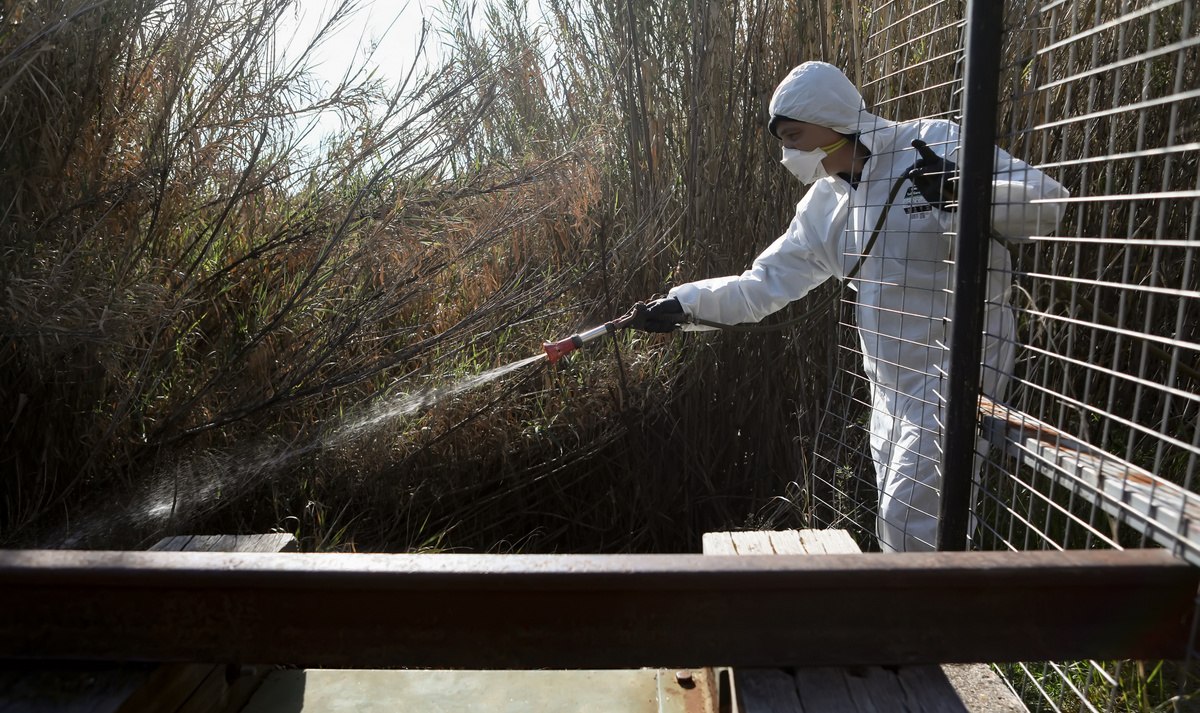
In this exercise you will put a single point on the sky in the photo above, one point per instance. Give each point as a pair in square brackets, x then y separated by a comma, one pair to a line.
[394, 27]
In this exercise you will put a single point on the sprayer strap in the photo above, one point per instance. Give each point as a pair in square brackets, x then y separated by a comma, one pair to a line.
[826, 303]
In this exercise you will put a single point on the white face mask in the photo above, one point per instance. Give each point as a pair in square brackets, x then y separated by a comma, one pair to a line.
[807, 165]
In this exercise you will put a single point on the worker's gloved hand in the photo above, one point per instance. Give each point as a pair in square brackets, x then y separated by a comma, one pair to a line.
[935, 177]
[662, 315]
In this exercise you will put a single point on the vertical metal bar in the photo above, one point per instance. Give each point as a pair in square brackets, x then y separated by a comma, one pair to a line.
[981, 80]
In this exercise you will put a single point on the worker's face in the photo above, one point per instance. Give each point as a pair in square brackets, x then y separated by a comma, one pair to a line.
[803, 136]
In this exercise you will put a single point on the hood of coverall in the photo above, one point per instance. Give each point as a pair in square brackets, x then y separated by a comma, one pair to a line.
[819, 93]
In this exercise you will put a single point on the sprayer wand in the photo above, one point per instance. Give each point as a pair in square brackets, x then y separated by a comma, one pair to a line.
[557, 350]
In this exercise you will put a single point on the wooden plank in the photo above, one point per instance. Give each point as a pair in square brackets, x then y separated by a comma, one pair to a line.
[829, 542]
[929, 690]
[874, 689]
[271, 542]
[791, 542]
[200, 688]
[172, 544]
[813, 543]
[209, 694]
[488, 611]
[752, 543]
[840, 542]
[132, 688]
[822, 689]
[243, 686]
[224, 688]
[1166, 512]
[787, 542]
[167, 688]
[275, 542]
[809, 689]
[763, 690]
[903, 688]
[214, 543]
[718, 543]
[870, 689]
[778, 690]
[68, 688]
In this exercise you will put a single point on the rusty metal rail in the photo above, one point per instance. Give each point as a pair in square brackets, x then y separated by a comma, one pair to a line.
[529, 611]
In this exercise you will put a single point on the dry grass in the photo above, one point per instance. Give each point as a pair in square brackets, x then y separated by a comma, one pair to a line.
[180, 280]
[191, 305]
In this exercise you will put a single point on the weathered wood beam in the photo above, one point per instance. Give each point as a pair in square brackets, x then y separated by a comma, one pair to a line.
[1164, 511]
[579, 611]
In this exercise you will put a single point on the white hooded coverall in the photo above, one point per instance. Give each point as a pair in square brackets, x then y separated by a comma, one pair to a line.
[903, 287]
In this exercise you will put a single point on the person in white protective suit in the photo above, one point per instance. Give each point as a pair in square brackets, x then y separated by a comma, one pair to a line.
[853, 161]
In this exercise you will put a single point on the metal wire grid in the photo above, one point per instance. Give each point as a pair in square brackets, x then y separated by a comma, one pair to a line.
[912, 70]
[1111, 331]
[1096, 441]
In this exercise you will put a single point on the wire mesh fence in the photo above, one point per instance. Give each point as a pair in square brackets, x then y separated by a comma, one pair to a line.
[1089, 418]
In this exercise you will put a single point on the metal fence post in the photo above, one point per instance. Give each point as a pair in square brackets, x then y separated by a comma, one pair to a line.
[985, 20]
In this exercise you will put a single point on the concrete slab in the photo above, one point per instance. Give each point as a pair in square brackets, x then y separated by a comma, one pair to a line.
[982, 690]
[353, 691]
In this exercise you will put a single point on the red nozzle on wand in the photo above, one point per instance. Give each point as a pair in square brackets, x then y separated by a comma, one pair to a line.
[557, 350]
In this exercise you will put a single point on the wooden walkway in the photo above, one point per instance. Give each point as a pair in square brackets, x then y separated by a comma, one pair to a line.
[274, 542]
[865, 689]
[140, 687]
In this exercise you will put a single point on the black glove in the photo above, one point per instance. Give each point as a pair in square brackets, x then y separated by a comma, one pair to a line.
[662, 315]
[935, 177]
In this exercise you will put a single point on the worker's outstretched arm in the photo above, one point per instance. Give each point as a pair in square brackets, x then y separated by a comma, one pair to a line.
[802, 258]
